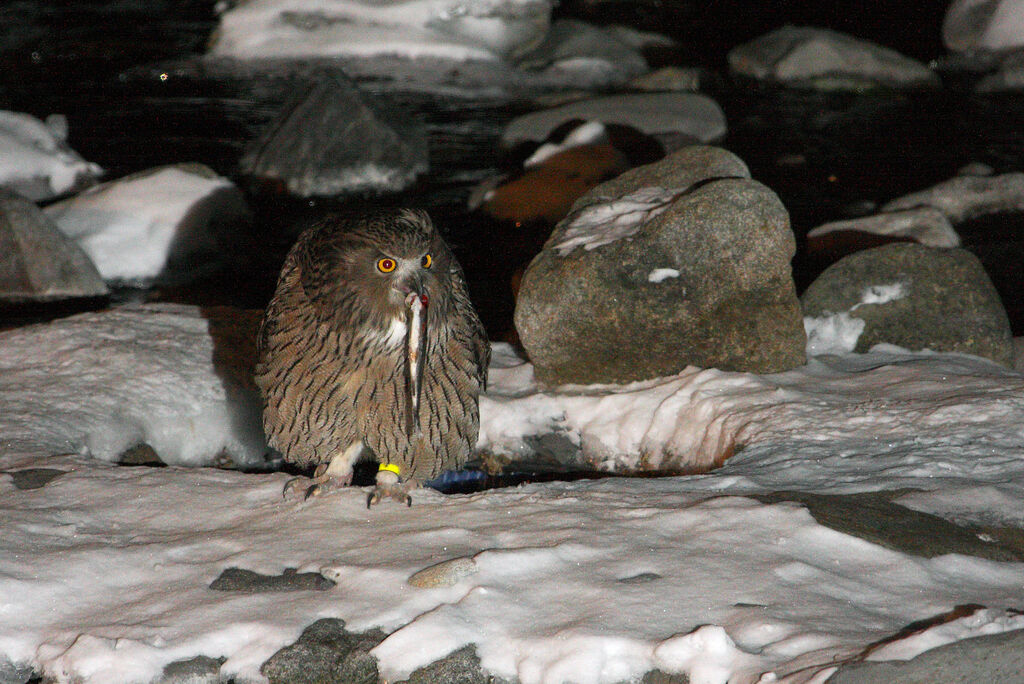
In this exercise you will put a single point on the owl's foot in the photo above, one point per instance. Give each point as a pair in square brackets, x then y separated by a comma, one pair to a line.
[389, 485]
[323, 481]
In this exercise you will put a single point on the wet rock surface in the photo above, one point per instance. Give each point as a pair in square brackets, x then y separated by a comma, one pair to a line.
[875, 517]
[250, 582]
[459, 667]
[326, 652]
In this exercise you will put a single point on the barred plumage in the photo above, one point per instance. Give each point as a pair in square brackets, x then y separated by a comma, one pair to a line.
[333, 357]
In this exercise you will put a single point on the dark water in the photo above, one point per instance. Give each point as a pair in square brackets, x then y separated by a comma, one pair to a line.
[114, 68]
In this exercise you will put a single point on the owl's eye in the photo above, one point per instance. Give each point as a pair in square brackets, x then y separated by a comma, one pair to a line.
[427, 261]
[386, 265]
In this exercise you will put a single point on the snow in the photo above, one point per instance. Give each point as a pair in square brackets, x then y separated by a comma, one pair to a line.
[35, 161]
[601, 224]
[836, 333]
[660, 274]
[129, 227]
[104, 572]
[479, 30]
[584, 134]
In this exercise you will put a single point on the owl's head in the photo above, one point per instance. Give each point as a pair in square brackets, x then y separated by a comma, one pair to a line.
[369, 265]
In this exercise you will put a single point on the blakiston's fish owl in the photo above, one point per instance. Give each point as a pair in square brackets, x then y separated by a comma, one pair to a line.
[371, 343]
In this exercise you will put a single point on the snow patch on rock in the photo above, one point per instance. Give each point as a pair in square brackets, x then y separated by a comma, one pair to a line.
[36, 162]
[601, 224]
[837, 333]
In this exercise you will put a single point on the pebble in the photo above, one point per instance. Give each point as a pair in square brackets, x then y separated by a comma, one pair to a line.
[443, 574]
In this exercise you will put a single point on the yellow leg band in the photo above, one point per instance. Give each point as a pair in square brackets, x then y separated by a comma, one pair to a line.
[389, 466]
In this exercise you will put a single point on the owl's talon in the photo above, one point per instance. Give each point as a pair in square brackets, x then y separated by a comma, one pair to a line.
[292, 486]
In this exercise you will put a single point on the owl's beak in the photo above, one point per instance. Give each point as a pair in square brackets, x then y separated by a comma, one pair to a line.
[415, 346]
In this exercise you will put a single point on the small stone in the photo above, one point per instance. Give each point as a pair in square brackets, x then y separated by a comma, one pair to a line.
[198, 670]
[325, 652]
[443, 574]
[459, 667]
[14, 674]
[34, 478]
[141, 454]
[247, 581]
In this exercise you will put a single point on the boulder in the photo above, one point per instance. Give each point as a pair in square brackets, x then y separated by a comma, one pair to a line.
[981, 25]
[830, 242]
[37, 261]
[967, 197]
[35, 160]
[328, 141]
[665, 116]
[908, 295]
[678, 263]
[1009, 74]
[819, 58]
[167, 224]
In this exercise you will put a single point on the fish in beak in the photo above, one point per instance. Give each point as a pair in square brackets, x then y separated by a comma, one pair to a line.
[415, 346]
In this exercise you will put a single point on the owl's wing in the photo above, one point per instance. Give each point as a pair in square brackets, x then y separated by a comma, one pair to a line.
[480, 346]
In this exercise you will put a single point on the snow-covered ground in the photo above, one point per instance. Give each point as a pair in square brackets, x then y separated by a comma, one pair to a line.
[105, 570]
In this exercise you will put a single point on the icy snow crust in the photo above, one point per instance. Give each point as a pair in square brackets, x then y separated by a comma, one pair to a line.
[104, 571]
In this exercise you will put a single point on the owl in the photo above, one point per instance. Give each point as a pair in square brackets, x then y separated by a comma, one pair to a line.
[371, 347]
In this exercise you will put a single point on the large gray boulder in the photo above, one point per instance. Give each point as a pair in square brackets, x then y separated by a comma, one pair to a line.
[682, 262]
[328, 141]
[37, 261]
[815, 57]
[909, 295]
[982, 25]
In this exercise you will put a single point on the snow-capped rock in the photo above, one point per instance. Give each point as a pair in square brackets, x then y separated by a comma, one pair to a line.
[155, 224]
[820, 58]
[665, 116]
[95, 384]
[586, 55]
[35, 160]
[967, 197]
[452, 29]
[908, 295]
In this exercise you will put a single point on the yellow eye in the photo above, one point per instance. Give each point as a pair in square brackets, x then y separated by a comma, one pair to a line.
[427, 261]
[386, 265]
